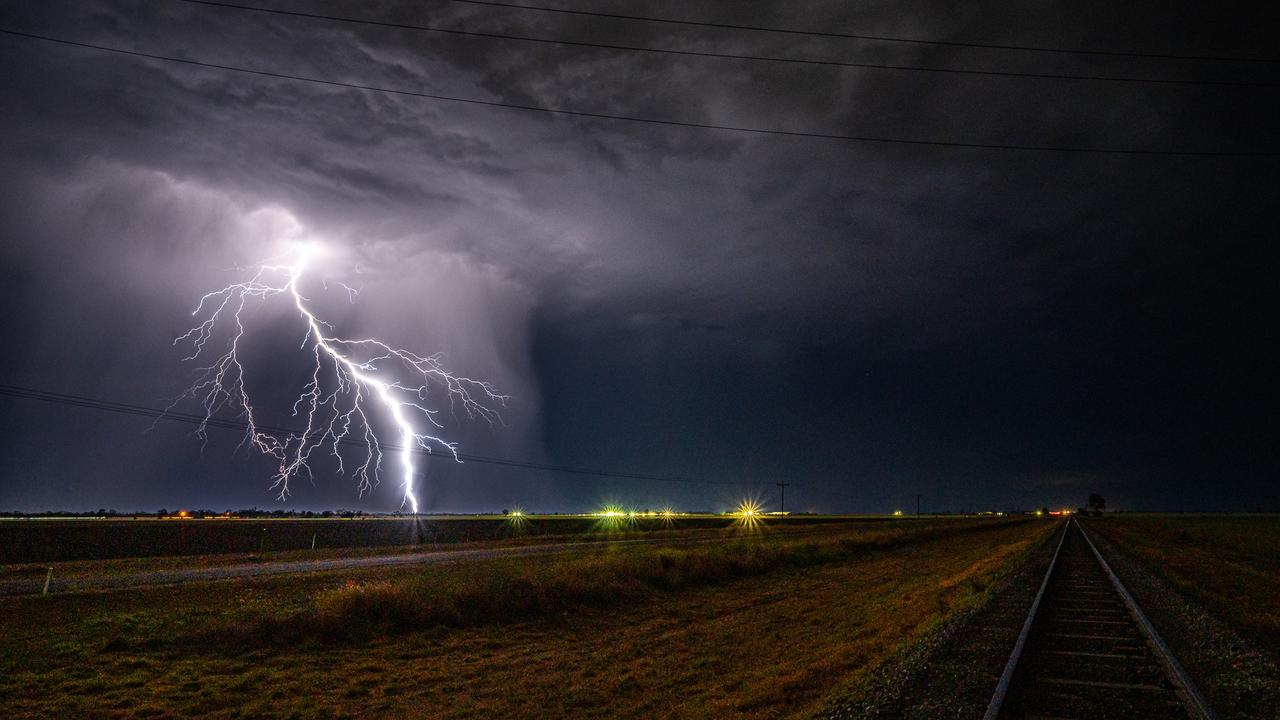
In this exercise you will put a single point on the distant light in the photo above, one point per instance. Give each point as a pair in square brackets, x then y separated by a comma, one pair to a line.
[897, 513]
[614, 517]
[748, 515]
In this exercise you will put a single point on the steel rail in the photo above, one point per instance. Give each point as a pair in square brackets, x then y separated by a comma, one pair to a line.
[1162, 650]
[1006, 678]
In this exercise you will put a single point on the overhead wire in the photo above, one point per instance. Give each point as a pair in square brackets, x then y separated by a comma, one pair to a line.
[723, 55]
[82, 401]
[647, 120]
[875, 38]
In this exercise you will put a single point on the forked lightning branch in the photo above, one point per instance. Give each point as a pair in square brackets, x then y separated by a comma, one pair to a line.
[360, 389]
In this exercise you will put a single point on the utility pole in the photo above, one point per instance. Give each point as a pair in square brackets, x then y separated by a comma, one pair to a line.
[782, 489]
[917, 504]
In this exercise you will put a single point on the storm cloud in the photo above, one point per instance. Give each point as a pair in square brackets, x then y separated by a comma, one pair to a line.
[869, 320]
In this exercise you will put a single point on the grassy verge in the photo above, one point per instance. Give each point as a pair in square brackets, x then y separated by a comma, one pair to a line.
[951, 671]
[733, 631]
[1228, 564]
[511, 590]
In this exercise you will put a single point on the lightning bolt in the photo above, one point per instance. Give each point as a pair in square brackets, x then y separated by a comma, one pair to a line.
[349, 378]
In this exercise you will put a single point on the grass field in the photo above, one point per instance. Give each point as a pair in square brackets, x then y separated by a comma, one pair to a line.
[62, 540]
[1230, 564]
[762, 627]
[675, 532]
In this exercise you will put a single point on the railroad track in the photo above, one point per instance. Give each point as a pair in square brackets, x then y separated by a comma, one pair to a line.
[1087, 651]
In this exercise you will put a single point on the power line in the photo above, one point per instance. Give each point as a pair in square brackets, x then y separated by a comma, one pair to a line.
[876, 38]
[723, 55]
[82, 401]
[649, 121]
[242, 426]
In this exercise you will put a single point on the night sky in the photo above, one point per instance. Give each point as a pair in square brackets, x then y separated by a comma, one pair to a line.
[987, 328]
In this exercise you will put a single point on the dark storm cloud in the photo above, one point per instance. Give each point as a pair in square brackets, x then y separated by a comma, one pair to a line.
[872, 320]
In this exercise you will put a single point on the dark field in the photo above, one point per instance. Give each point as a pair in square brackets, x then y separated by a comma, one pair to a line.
[794, 617]
[1228, 564]
[40, 541]
[1211, 584]
[761, 625]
